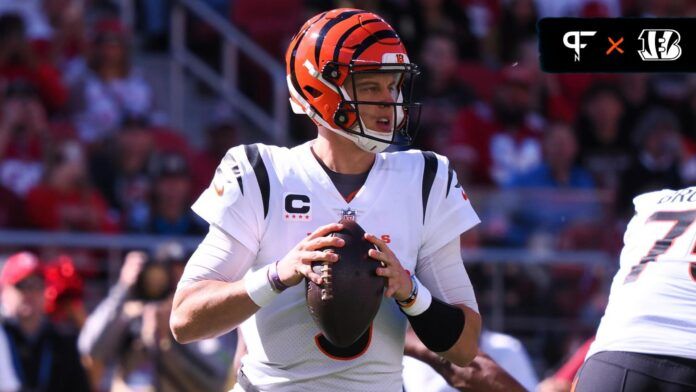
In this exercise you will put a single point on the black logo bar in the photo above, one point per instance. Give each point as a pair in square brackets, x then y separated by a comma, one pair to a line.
[617, 44]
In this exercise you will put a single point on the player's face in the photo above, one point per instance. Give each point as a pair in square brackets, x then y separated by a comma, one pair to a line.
[375, 87]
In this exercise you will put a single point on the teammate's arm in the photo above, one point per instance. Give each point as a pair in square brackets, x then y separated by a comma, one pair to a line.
[482, 374]
[214, 300]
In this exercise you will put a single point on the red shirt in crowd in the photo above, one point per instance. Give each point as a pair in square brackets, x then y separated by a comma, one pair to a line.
[490, 151]
[45, 77]
[84, 210]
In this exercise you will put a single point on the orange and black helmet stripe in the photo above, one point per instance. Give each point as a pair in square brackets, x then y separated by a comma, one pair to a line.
[291, 65]
[373, 39]
[346, 35]
[328, 26]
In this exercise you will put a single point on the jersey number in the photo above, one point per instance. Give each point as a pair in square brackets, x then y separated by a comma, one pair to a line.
[682, 219]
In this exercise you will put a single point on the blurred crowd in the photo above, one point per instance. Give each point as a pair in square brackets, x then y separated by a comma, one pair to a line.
[551, 161]
[83, 146]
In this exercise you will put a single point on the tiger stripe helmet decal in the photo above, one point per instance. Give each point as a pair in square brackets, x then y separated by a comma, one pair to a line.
[335, 45]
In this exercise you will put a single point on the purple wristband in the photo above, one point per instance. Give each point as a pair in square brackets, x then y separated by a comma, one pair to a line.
[274, 279]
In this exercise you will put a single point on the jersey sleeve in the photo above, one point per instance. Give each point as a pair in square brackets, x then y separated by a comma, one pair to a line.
[443, 273]
[447, 208]
[218, 257]
[233, 202]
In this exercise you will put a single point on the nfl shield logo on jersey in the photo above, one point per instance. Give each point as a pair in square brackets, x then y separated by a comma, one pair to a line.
[348, 214]
[298, 207]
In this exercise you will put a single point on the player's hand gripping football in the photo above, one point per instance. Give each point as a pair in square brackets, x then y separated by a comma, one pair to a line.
[399, 284]
[298, 262]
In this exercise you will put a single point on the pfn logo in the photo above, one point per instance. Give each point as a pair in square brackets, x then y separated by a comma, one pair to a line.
[660, 45]
[575, 44]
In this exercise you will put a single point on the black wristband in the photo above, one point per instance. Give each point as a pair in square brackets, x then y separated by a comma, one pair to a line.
[440, 326]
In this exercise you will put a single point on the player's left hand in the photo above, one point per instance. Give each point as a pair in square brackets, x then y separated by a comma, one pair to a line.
[399, 284]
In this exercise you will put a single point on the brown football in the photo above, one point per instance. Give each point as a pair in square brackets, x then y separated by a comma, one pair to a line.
[348, 299]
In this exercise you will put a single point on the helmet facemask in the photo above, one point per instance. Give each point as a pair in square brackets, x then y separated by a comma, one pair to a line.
[371, 123]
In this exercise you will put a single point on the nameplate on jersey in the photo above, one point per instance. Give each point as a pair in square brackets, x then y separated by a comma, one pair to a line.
[297, 207]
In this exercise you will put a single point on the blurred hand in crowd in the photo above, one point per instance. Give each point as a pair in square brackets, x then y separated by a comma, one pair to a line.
[132, 267]
[155, 327]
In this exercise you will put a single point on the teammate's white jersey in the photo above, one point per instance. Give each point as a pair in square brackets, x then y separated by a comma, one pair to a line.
[652, 305]
[270, 198]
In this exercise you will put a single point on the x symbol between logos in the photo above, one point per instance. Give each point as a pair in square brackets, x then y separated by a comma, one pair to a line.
[615, 45]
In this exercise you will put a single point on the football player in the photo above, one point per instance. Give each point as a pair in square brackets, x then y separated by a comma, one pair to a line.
[646, 340]
[270, 209]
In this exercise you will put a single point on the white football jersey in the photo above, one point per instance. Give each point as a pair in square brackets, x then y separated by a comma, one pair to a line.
[270, 198]
[652, 305]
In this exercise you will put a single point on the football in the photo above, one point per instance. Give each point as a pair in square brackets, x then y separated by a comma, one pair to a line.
[348, 299]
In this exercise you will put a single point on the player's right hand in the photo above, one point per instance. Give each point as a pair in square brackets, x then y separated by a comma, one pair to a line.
[298, 262]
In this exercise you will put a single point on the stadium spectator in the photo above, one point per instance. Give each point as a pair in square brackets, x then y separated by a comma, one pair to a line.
[440, 89]
[112, 89]
[221, 135]
[19, 61]
[660, 8]
[579, 8]
[558, 170]
[656, 164]
[66, 200]
[43, 358]
[32, 15]
[11, 210]
[64, 295]
[426, 16]
[120, 171]
[8, 378]
[130, 329]
[170, 211]
[603, 135]
[688, 133]
[518, 23]
[688, 116]
[490, 144]
[545, 214]
[68, 43]
[24, 137]
[637, 93]
[155, 23]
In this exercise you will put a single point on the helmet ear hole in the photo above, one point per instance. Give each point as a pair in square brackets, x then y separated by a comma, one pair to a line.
[312, 91]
